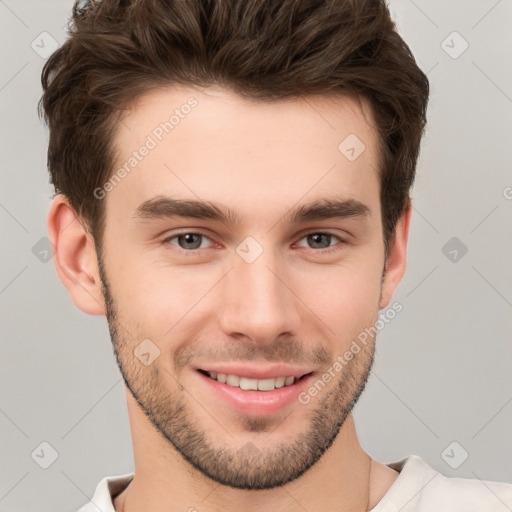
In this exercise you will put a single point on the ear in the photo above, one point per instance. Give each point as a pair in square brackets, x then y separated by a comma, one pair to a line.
[75, 257]
[397, 258]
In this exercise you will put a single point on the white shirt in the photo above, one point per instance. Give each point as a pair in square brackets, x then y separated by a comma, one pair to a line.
[418, 488]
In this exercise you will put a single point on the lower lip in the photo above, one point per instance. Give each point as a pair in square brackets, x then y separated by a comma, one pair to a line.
[257, 403]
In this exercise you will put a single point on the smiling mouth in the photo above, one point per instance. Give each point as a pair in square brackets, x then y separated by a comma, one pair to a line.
[248, 384]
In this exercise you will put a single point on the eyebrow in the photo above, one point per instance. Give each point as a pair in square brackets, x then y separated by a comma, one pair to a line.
[164, 207]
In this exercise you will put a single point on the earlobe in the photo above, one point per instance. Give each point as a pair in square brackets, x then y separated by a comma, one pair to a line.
[75, 257]
[397, 258]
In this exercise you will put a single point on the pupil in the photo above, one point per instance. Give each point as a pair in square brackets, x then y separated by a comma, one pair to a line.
[315, 237]
[189, 240]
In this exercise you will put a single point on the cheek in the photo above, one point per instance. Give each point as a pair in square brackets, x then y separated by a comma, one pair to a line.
[346, 296]
[159, 301]
[163, 302]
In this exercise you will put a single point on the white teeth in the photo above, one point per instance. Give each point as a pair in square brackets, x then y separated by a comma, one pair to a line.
[252, 384]
[233, 380]
[266, 384]
[280, 382]
[248, 383]
[289, 380]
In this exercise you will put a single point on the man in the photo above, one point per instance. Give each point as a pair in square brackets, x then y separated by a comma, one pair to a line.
[232, 187]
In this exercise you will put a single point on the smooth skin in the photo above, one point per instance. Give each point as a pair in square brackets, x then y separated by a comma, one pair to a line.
[208, 305]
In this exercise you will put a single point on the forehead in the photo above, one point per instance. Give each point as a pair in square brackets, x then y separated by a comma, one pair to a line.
[254, 156]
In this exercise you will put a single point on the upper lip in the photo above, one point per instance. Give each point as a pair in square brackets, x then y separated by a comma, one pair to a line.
[251, 371]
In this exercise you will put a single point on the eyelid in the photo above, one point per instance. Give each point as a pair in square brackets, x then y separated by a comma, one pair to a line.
[303, 235]
[324, 232]
[167, 239]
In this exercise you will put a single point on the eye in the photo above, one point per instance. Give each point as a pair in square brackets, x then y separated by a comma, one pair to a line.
[321, 240]
[188, 241]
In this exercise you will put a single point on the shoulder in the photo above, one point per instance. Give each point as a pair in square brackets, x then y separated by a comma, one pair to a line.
[471, 494]
[421, 488]
[107, 489]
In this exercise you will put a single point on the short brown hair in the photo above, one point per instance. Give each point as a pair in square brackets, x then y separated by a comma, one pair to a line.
[263, 50]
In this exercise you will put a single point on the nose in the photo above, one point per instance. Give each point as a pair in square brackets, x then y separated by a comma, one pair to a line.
[258, 300]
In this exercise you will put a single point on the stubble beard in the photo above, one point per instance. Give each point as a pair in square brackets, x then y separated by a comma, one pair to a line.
[248, 467]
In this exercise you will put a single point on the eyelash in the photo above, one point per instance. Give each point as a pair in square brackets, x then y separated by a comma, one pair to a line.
[327, 250]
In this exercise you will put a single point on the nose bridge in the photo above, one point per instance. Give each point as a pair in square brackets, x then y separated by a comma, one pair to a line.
[258, 303]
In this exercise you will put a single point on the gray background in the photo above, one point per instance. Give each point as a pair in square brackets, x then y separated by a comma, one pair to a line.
[442, 372]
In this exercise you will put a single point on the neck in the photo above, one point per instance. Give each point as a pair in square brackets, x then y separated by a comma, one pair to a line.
[164, 481]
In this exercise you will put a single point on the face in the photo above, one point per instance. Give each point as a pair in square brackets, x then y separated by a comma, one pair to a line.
[226, 314]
